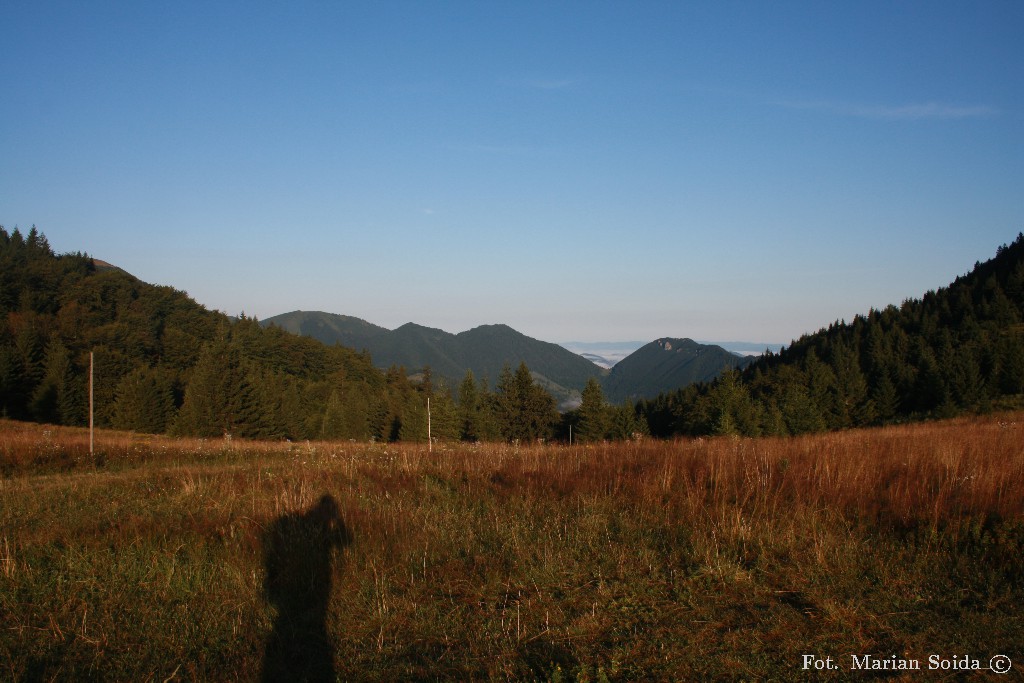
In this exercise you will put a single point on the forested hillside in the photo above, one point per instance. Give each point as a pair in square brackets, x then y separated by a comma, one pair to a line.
[958, 349]
[484, 350]
[667, 364]
[163, 363]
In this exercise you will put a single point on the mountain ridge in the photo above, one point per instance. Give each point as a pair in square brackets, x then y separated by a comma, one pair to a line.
[487, 348]
[484, 349]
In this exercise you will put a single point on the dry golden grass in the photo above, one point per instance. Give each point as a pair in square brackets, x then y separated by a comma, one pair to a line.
[702, 559]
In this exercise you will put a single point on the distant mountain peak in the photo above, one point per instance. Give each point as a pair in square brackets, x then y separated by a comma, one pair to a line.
[684, 345]
[662, 365]
[670, 344]
[492, 328]
[666, 364]
[485, 349]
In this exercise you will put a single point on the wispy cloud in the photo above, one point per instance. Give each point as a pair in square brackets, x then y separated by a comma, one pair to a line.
[901, 112]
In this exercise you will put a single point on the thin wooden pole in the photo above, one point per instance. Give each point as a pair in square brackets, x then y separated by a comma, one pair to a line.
[91, 438]
[430, 441]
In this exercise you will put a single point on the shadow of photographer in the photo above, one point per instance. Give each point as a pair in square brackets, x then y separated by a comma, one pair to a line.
[298, 556]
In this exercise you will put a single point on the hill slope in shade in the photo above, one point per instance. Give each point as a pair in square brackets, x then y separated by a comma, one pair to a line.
[485, 350]
[665, 365]
[957, 349]
[329, 328]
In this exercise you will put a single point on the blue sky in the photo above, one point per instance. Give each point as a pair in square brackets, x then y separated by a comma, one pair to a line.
[580, 171]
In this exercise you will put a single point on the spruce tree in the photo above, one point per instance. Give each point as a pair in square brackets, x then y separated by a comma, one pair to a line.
[526, 412]
[333, 423]
[143, 402]
[444, 416]
[469, 408]
[219, 398]
[50, 400]
[356, 416]
[413, 427]
[1010, 355]
[626, 424]
[593, 414]
[29, 348]
[884, 398]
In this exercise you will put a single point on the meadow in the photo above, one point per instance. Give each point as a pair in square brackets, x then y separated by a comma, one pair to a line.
[710, 559]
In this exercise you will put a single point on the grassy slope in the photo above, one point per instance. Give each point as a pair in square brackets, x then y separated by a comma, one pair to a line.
[710, 559]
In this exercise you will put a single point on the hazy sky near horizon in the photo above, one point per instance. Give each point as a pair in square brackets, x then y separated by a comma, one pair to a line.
[592, 171]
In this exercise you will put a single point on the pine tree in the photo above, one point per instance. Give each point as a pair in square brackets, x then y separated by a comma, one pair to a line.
[508, 406]
[413, 426]
[593, 414]
[487, 423]
[799, 411]
[625, 424]
[29, 348]
[333, 423]
[357, 412]
[219, 398]
[884, 397]
[730, 410]
[851, 403]
[381, 418]
[402, 402]
[280, 397]
[525, 411]
[56, 398]
[1011, 365]
[444, 416]
[143, 402]
[9, 380]
[929, 390]
[823, 391]
[469, 408]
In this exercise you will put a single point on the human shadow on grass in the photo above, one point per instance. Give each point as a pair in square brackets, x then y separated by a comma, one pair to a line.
[298, 553]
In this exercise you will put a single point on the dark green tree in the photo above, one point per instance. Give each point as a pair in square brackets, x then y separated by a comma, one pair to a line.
[219, 398]
[1010, 377]
[626, 423]
[884, 397]
[730, 410]
[279, 395]
[851, 405]
[143, 402]
[333, 423]
[444, 415]
[413, 428]
[59, 397]
[525, 411]
[594, 414]
[469, 408]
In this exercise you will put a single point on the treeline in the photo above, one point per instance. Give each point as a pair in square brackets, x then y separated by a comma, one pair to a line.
[165, 364]
[959, 349]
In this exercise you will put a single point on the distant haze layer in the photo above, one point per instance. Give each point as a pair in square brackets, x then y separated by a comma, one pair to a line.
[607, 354]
